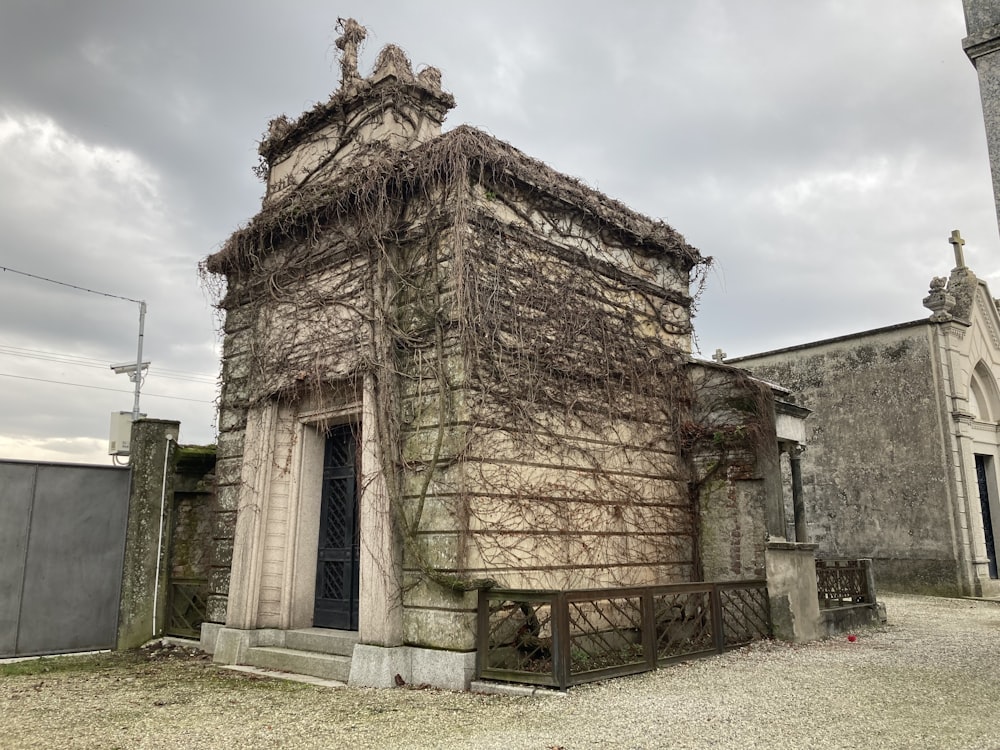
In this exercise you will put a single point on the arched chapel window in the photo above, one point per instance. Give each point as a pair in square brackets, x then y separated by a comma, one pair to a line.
[984, 398]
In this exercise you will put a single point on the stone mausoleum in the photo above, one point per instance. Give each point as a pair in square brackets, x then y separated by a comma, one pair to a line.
[903, 457]
[903, 441]
[448, 367]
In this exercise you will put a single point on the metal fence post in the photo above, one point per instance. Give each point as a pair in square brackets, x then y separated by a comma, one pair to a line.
[869, 572]
[715, 600]
[482, 631]
[560, 640]
[648, 630]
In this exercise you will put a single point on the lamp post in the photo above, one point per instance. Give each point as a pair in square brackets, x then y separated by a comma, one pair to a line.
[134, 371]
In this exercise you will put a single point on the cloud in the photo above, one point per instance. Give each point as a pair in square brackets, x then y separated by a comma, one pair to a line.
[820, 151]
[94, 215]
[60, 450]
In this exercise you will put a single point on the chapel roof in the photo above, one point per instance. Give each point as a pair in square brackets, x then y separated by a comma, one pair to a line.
[384, 173]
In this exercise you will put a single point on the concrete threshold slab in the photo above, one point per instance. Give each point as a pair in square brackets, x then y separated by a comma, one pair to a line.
[511, 689]
[289, 676]
[175, 640]
[12, 659]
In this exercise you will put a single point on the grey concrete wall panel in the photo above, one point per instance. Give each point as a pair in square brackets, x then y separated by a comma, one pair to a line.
[16, 483]
[70, 558]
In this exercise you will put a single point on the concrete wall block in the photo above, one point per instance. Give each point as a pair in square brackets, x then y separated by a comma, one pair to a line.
[419, 592]
[452, 630]
[230, 444]
[239, 318]
[227, 497]
[215, 609]
[237, 343]
[792, 590]
[222, 552]
[446, 670]
[237, 395]
[441, 551]
[227, 471]
[236, 368]
[218, 580]
[377, 666]
[223, 525]
[231, 417]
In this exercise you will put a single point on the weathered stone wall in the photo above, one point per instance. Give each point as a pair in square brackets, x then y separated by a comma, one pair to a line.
[874, 476]
[735, 472]
[152, 479]
[234, 400]
[532, 466]
[733, 534]
[191, 530]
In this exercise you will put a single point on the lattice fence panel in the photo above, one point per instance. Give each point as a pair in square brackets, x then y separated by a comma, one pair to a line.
[746, 615]
[605, 633]
[842, 582]
[520, 636]
[187, 607]
[683, 624]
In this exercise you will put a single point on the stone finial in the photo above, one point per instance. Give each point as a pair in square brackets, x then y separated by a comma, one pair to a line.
[957, 242]
[430, 77]
[939, 301]
[279, 127]
[352, 34]
[392, 61]
[719, 356]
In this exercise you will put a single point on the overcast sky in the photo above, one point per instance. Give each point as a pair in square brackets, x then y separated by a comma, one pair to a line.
[821, 152]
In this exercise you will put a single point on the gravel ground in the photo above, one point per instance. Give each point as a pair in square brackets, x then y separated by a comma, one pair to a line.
[930, 679]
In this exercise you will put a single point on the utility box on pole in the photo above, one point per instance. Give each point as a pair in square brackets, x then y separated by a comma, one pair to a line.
[120, 434]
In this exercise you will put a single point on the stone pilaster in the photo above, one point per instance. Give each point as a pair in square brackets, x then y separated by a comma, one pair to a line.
[141, 613]
[982, 45]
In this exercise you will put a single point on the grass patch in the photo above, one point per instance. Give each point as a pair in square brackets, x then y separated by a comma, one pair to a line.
[155, 666]
[57, 664]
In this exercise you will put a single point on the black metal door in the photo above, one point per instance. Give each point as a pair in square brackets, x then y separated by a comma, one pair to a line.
[337, 567]
[984, 501]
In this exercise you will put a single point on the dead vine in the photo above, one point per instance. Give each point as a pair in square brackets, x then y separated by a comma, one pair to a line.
[526, 342]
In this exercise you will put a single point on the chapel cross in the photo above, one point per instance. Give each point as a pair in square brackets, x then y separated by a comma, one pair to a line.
[719, 356]
[353, 33]
[957, 242]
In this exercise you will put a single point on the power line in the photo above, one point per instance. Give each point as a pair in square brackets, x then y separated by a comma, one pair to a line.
[100, 364]
[18, 349]
[71, 286]
[102, 388]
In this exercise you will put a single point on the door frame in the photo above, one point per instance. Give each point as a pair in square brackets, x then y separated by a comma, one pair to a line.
[989, 530]
[304, 542]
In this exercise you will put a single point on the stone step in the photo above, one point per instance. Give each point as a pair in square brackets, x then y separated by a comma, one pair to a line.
[322, 640]
[327, 666]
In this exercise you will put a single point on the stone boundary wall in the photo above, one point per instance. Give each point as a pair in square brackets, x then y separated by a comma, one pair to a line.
[874, 477]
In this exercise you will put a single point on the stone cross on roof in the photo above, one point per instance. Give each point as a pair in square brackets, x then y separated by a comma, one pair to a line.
[957, 242]
[352, 34]
[719, 356]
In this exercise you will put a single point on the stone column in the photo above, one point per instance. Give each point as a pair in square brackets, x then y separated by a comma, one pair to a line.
[792, 590]
[798, 504]
[153, 445]
[982, 45]
[380, 609]
[769, 464]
